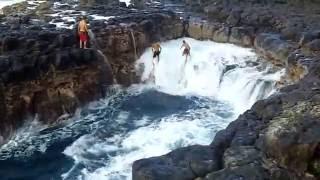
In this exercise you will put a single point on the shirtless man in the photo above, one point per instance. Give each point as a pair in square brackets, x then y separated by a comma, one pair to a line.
[156, 49]
[83, 32]
[186, 51]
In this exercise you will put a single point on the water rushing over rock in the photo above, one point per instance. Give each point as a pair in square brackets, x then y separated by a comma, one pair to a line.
[276, 139]
[103, 140]
[222, 71]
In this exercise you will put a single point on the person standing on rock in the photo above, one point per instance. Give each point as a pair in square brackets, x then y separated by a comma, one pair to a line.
[83, 32]
[186, 51]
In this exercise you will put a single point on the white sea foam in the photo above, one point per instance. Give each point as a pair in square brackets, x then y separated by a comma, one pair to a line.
[30, 129]
[126, 1]
[98, 17]
[219, 97]
[204, 72]
[174, 131]
[204, 76]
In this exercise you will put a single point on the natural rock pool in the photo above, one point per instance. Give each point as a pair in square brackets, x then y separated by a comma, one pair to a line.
[184, 106]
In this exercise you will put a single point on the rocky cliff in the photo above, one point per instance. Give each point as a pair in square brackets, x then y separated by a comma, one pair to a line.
[44, 74]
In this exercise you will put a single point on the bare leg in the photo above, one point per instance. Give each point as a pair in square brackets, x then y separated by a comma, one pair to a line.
[153, 66]
[185, 62]
[151, 76]
[182, 70]
[80, 44]
[85, 45]
[188, 56]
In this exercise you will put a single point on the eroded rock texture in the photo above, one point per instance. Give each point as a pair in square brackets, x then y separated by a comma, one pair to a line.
[43, 73]
[278, 138]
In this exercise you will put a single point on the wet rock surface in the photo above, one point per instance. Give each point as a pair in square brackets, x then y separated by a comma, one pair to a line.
[46, 75]
[43, 72]
[185, 163]
[278, 138]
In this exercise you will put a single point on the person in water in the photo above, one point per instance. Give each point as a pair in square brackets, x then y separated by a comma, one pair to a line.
[156, 49]
[83, 32]
[186, 51]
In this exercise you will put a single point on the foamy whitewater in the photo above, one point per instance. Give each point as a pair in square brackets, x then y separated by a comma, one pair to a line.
[126, 1]
[221, 71]
[182, 106]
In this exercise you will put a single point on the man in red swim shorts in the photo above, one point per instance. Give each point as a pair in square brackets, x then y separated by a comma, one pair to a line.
[83, 32]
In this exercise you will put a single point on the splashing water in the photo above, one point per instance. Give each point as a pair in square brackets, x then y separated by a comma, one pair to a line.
[185, 106]
[128, 2]
[221, 71]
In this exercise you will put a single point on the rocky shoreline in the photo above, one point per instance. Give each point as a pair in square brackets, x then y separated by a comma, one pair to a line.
[44, 73]
[278, 138]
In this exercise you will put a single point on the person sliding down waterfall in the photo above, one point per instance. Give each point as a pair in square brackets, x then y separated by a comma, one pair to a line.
[186, 52]
[156, 49]
[83, 32]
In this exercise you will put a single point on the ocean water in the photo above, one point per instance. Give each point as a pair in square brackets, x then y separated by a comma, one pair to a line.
[177, 105]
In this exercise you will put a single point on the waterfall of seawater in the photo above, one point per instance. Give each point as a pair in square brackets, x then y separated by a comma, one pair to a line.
[220, 71]
[103, 140]
[134, 44]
